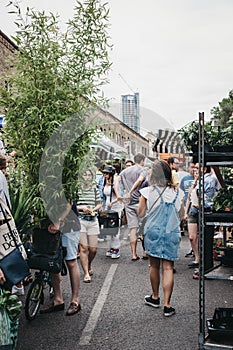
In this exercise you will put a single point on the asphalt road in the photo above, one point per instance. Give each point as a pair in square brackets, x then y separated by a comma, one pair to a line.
[114, 315]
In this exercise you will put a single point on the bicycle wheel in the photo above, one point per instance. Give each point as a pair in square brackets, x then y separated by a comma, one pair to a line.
[33, 299]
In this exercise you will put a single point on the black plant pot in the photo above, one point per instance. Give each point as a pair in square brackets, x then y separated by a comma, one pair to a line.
[194, 148]
[207, 148]
[45, 242]
[223, 148]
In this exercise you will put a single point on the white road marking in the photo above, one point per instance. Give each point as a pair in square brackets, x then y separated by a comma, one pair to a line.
[94, 316]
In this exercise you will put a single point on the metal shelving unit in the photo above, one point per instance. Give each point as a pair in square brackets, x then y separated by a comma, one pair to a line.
[207, 221]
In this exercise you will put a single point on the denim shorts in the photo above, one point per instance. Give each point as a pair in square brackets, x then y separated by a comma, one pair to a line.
[193, 219]
[70, 241]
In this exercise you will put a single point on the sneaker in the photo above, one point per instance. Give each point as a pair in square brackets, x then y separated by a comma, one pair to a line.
[168, 311]
[109, 253]
[115, 254]
[152, 302]
[17, 290]
[196, 274]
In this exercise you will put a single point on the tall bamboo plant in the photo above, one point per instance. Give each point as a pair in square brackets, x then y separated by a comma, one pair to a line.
[56, 81]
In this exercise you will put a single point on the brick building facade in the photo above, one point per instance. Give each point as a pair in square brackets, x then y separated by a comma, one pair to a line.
[7, 49]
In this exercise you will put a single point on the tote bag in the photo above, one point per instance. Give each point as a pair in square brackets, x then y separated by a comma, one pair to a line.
[12, 252]
[9, 236]
[108, 223]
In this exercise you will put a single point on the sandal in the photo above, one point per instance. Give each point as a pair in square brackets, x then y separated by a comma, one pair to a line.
[135, 259]
[53, 308]
[73, 309]
[87, 279]
[145, 257]
[90, 272]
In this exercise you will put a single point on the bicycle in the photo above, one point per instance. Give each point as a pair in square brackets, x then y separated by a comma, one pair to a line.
[35, 294]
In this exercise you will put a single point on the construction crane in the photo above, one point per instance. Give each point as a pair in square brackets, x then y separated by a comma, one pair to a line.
[125, 82]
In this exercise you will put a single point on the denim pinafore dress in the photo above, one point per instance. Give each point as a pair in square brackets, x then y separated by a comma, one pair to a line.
[162, 230]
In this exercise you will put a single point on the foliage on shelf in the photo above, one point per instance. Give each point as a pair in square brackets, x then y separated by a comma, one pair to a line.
[223, 201]
[221, 134]
[190, 134]
[223, 115]
[224, 110]
[57, 77]
[228, 175]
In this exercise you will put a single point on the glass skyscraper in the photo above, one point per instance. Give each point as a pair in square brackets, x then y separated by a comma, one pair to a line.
[130, 111]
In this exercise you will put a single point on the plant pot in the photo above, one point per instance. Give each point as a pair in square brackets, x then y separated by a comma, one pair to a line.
[207, 148]
[45, 242]
[223, 148]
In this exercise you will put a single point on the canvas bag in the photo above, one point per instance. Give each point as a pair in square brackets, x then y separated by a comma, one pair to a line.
[108, 223]
[12, 253]
[7, 242]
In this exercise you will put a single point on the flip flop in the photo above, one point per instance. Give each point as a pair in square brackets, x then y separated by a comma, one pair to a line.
[135, 259]
[145, 258]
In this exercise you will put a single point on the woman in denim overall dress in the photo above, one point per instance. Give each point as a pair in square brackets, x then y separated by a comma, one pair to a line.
[162, 231]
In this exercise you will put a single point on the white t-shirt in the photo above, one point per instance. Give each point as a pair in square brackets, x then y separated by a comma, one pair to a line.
[151, 194]
[107, 192]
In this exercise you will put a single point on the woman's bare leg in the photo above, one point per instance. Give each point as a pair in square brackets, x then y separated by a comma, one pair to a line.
[168, 280]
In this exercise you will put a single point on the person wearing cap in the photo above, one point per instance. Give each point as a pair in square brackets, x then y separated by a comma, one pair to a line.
[112, 203]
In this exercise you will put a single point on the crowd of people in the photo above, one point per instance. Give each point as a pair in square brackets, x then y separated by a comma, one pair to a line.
[164, 192]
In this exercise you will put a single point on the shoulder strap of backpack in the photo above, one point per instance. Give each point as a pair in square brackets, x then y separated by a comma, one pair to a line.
[160, 195]
[175, 197]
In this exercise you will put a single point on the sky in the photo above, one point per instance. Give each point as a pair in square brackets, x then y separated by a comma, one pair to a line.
[177, 54]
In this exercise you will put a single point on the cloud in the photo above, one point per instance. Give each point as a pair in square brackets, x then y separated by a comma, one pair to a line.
[177, 54]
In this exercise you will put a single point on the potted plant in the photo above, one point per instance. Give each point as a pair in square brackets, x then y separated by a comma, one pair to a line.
[53, 89]
[21, 209]
[190, 136]
[10, 309]
[222, 120]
